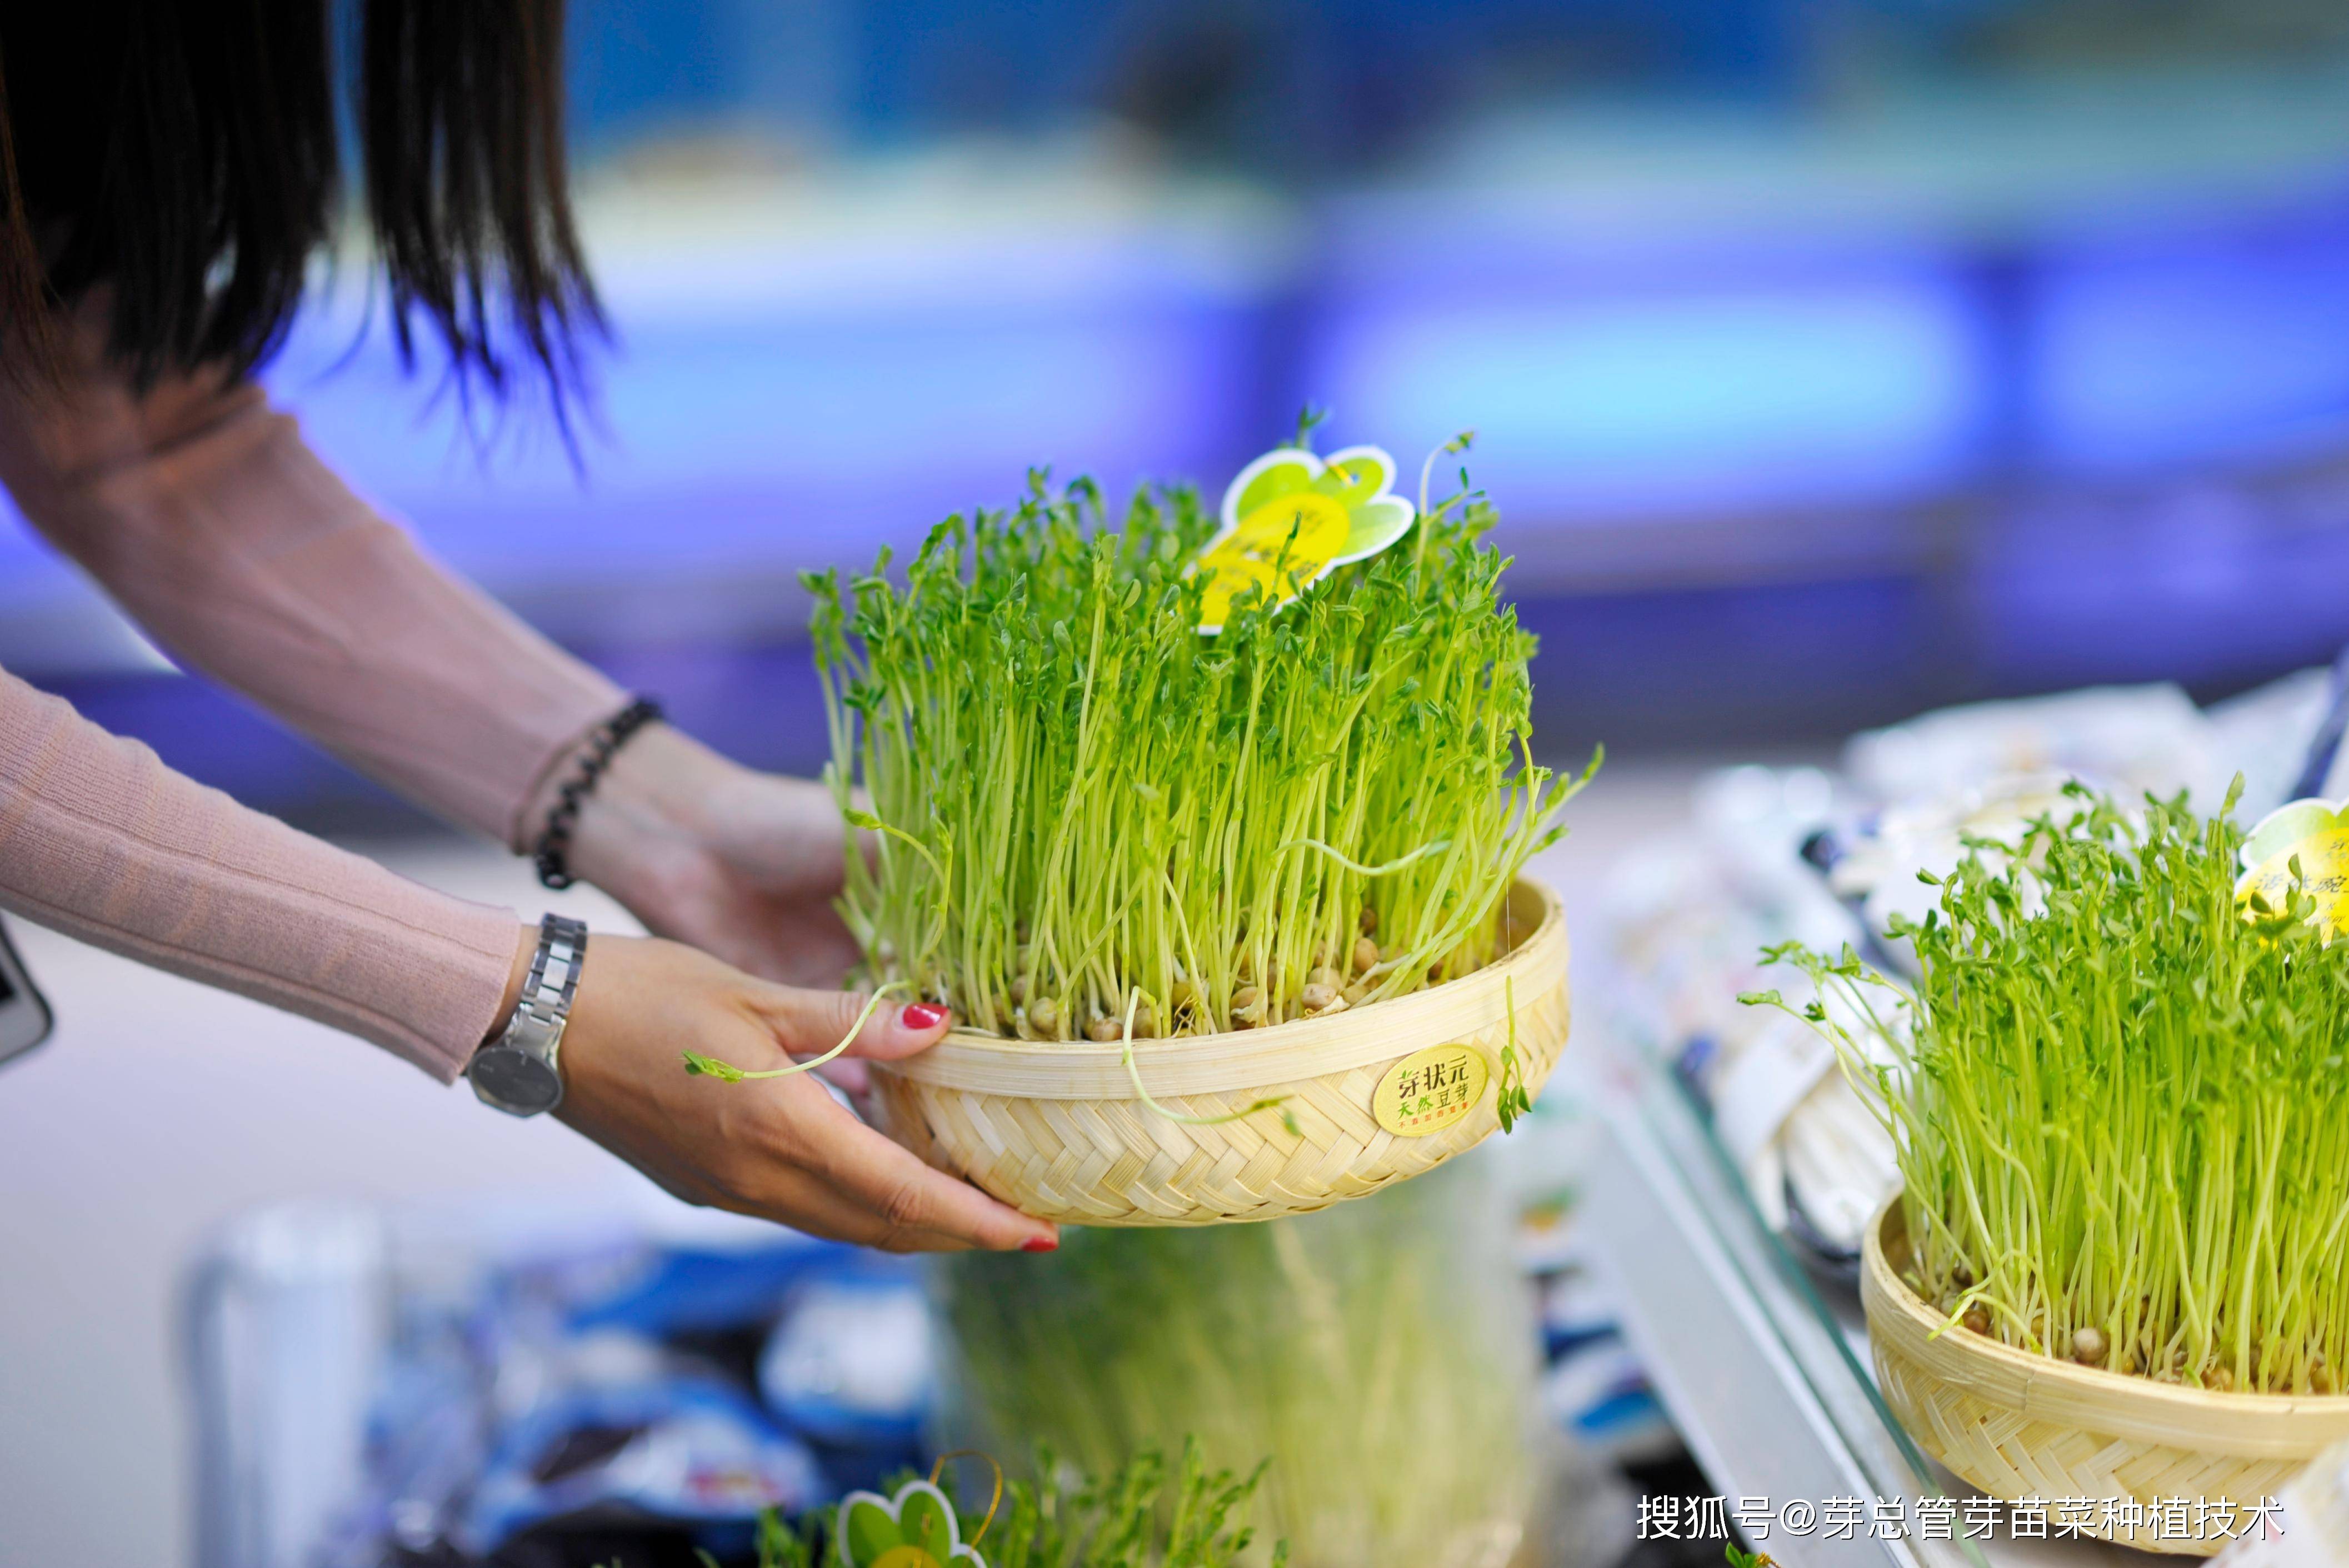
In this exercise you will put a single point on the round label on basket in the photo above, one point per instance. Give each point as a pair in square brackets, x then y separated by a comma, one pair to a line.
[1430, 1090]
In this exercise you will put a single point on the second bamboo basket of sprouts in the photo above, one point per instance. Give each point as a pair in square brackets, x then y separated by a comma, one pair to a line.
[2100, 1451]
[1233, 925]
[2111, 1284]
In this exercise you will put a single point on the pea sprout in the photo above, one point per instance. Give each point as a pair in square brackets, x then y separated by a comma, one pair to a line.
[1078, 808]
[1513, 1100]
[698, 1066]
[2118, 1100]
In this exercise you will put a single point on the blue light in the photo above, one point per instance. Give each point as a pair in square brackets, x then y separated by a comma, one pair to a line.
[1713, 398]
[2184, 349]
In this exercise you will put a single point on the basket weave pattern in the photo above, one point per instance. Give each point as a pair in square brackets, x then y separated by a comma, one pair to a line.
[2020, 1425]
[1056, 1130]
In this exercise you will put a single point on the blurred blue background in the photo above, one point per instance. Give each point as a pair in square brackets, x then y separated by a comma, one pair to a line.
[1830, 360]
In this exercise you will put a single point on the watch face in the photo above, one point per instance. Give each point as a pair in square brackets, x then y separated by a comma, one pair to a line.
[516, 1081]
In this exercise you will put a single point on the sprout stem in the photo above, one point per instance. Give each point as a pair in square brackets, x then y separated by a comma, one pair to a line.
[726, 1072]
[2118, 1100]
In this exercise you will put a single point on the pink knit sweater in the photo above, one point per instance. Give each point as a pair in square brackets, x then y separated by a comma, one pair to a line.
[202, 511]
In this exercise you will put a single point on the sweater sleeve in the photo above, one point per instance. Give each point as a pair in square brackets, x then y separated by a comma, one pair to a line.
[100, 840]
[204, 515]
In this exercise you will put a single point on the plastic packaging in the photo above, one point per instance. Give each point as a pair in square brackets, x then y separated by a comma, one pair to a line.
[1379, 1354]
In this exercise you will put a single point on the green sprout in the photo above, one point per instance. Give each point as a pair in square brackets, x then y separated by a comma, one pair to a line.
[2118, 1100]
[1512, 1102]
[1084, 819]
[1133, 1074]
[1308, 420]
[1134, 1515]
[698, 1066]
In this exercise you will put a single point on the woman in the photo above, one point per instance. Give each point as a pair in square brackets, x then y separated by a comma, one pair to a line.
[166, 172]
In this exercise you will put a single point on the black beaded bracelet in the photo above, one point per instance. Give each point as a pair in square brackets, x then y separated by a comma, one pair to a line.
[552, 849]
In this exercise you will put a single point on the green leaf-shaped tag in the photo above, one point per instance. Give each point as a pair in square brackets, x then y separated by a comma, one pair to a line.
[1290, 518]
[869, 1528]
[924, 1521]
[917, 1528]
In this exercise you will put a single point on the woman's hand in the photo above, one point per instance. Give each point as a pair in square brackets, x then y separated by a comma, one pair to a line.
[738, 863]
[780, 1149]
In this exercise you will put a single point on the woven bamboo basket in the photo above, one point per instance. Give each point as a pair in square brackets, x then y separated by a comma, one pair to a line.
[2020, 1425]
[1056, 1130]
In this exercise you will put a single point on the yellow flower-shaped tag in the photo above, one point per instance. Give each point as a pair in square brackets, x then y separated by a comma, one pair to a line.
[2316, 834]
[1290, 518]
[916, 1529]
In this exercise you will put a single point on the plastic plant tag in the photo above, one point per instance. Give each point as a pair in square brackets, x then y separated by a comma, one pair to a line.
[917, 1528]
[2315, 833]
[1430, 1090]
[1292, 517]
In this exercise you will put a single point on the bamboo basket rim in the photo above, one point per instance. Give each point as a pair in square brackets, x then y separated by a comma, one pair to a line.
[2119, 1403]
[1250, 1058]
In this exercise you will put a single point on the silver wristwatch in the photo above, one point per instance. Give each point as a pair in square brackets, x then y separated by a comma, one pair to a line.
[519, 1071]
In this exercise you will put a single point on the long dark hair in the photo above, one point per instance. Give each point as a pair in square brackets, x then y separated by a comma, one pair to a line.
[188, 156]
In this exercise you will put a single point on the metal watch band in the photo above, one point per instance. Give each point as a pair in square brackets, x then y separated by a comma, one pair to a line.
[520, 1072]
[553, 977]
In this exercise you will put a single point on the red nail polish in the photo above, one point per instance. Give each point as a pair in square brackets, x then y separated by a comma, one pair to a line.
[922, 1016]
[1039, 1245]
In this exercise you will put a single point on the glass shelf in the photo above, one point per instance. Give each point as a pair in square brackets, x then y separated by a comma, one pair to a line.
[1766, 1375]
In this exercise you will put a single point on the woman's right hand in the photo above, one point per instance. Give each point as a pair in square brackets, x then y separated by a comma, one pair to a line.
[779, 1148]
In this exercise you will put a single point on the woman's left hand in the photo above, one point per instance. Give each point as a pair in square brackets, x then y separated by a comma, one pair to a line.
[741, 864]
